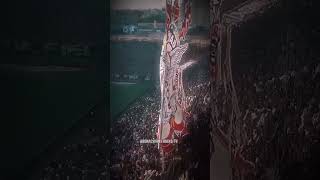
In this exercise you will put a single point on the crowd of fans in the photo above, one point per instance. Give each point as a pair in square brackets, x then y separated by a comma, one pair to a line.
[131, 159]
[86, 159]
[278, 125]
[279, 117]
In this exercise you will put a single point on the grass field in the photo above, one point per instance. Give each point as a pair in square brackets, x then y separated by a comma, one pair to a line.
[134, 57]
[127, 58]
[121, 95]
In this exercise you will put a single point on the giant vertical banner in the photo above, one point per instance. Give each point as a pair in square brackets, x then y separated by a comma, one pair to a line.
[173, 102]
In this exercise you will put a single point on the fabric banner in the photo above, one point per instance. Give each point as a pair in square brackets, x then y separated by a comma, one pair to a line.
[173, 100]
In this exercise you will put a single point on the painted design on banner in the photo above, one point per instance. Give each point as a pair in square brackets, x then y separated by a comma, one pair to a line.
[173, 100]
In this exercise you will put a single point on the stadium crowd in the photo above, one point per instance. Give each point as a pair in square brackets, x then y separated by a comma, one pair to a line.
[279, 117]
[88, 158]
[277, 128]
[82, 160]
[131, 159]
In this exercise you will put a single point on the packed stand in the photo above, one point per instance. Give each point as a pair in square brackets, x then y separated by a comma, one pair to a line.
[279, 117]
[131, 159]
[84, 160]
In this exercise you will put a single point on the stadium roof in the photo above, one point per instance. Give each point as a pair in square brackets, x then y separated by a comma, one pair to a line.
[244, 9]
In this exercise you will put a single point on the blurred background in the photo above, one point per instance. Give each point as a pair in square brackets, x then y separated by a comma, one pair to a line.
[53, 74]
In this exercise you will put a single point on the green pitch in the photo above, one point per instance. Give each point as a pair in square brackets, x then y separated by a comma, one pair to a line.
[121, 95]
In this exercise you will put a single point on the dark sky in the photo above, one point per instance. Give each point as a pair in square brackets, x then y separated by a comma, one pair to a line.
[137, 4]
